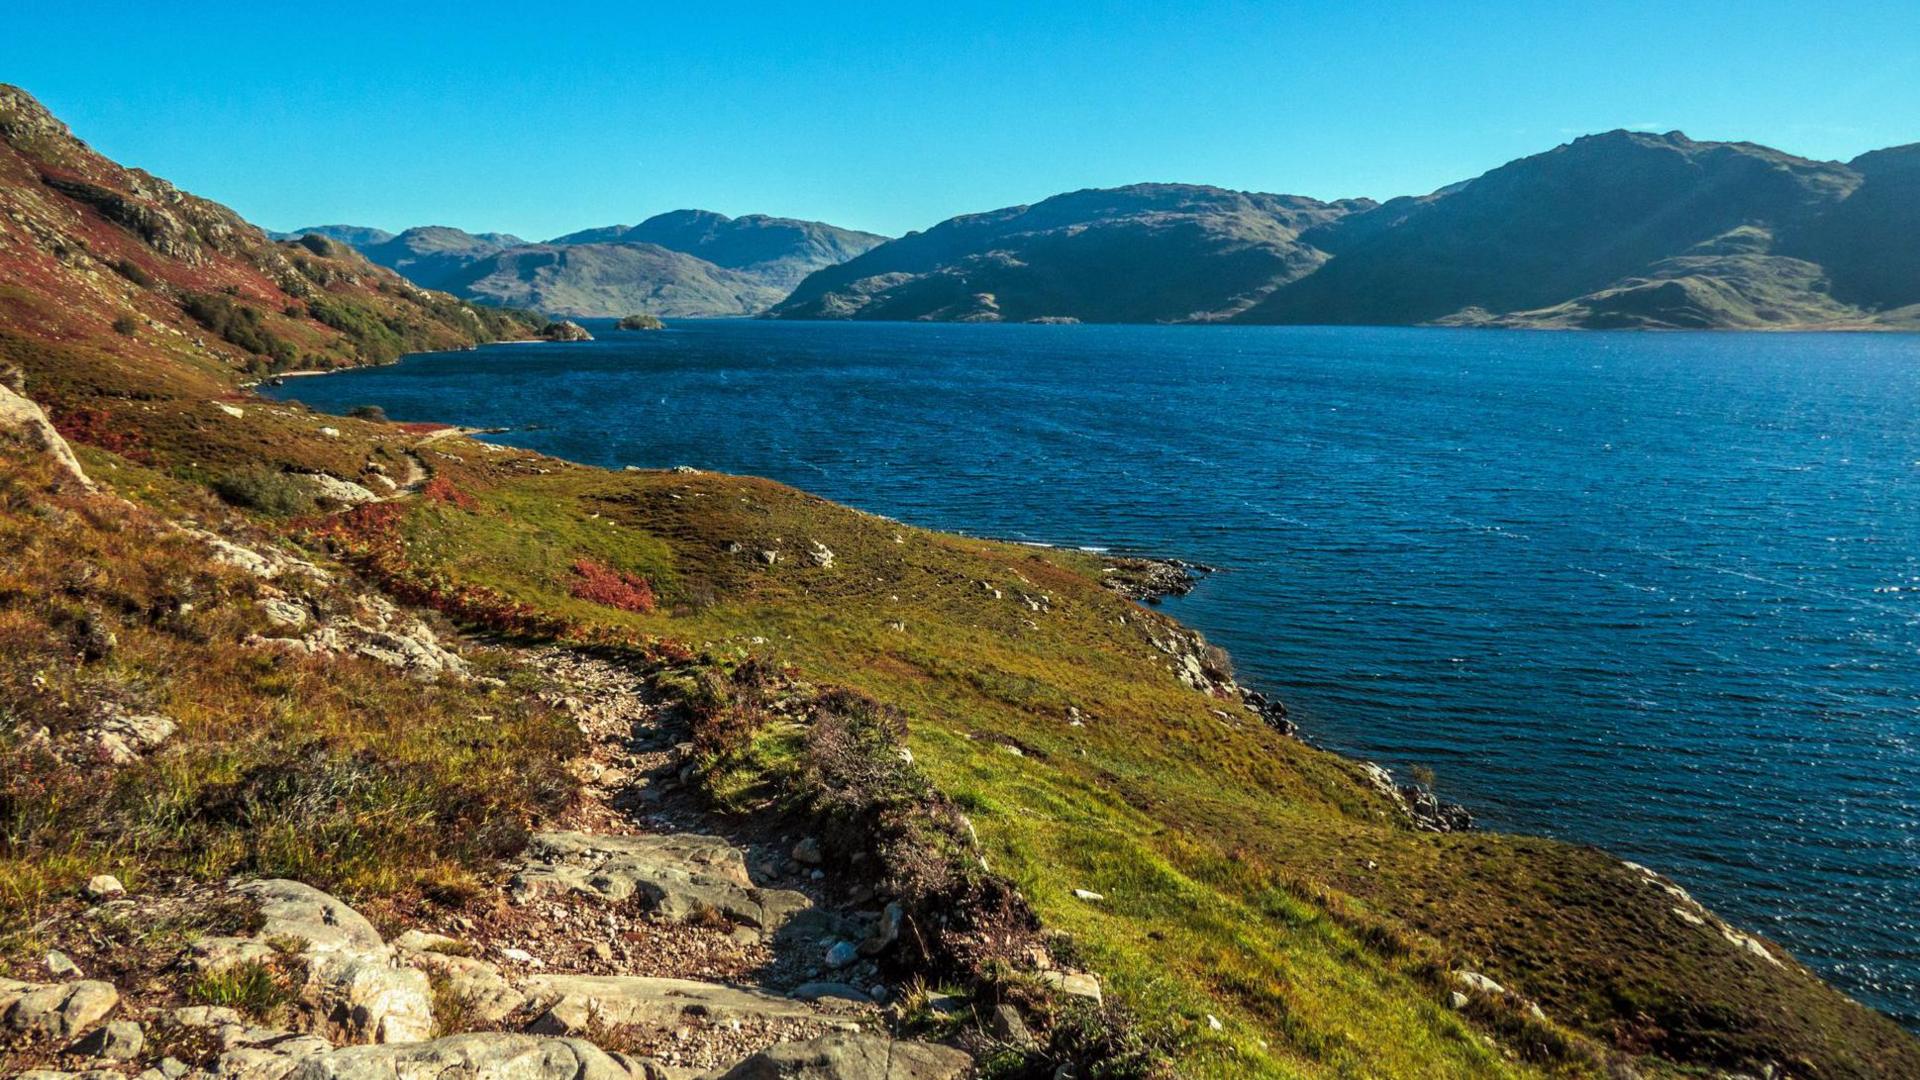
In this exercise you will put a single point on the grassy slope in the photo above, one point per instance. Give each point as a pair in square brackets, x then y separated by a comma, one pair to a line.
[1248, 876]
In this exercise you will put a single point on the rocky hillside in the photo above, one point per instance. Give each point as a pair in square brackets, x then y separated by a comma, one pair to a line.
[779, 252]
[1147, 253]
[612, 279]
[683, 264]
[337, 748]
[1621, 230]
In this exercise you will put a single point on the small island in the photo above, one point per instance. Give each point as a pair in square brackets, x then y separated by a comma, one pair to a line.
[642, 322]
[565, 330]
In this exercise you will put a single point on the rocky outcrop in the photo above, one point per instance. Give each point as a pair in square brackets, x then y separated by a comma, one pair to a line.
[574, 1003]
[22, 421]
[376, 630]
[333, 490]
[353, 982]
[846, 1056]
[679, 875]
[1427, 811]
[474, 1056]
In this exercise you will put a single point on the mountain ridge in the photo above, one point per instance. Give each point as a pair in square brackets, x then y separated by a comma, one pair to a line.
[679, 264]
[1606, 231]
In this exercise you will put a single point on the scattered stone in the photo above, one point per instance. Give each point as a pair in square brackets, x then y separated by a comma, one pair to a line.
[769, 557]
[807, 851]
[842, 953]
[59, 1012]
[821, 555]
[886, 930]
[119, 1040]
[1214, 1024]
[1074, 983]
[1479, 983]
[330, 432]
[120, 739]
[816, 991]
[104, 887]
[61, 966]
[1088, 895]
[1007, 1025]
[234, 411]
[1457, 999]
[285, 613]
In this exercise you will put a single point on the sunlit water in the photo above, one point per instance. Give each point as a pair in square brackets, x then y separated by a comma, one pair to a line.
[1659, 593]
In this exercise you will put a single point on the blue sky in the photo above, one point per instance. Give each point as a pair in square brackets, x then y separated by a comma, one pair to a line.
[540, 119]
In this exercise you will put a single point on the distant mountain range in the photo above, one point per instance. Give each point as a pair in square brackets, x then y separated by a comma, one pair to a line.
[682, 264]
[1619, 230]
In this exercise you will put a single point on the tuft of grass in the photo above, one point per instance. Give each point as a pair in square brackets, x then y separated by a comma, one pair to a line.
[258, 991]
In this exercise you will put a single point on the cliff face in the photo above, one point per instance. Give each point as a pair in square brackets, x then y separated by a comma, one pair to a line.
[707, 731]
[1620, 230]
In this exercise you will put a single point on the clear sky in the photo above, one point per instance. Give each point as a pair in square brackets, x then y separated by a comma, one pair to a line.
[539, 119]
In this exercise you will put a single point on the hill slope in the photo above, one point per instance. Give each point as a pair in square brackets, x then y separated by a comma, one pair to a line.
[611, 279]
[1620, 230]
[1010, 778]
[1147, 253]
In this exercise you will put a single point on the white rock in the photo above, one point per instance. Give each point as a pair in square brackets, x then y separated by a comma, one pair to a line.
[1088, 895]
[105, 887]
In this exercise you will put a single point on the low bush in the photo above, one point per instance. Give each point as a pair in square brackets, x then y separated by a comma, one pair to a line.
[265, 490]
[611, 588]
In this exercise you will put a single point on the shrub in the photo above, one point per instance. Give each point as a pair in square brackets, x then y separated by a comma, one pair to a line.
[441, 490]
[126, 325]
[238, 324]
[368, 412]
[132, 272]
[268, 491]
[612, 588]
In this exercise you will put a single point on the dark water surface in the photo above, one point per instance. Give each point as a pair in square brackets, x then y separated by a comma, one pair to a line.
[1659, 593]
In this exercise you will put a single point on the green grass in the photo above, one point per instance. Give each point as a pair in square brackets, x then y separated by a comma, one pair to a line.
[1248, 876]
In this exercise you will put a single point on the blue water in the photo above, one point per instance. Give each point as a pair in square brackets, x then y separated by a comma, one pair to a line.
[1659, 593]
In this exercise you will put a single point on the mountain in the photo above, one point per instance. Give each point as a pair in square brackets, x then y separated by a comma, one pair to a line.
[683, 264]
[433, 256]
[608, 279]
[1618, 230]
[352, 235]
[1146, 253]
[779, 252]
